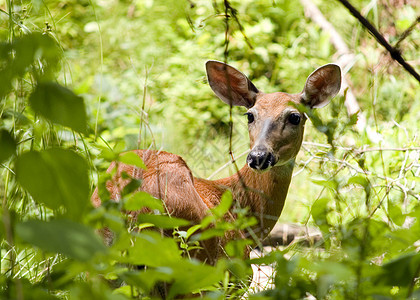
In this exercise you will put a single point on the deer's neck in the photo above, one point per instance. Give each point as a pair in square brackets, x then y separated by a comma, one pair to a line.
[264, 193]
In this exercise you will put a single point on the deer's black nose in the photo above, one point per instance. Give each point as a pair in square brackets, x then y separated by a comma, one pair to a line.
[260, 159]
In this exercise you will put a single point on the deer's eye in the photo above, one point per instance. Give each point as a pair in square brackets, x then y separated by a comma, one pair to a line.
[250, 117]
[294, 118]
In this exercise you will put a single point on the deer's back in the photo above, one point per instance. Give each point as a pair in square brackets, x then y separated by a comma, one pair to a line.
[167, 177]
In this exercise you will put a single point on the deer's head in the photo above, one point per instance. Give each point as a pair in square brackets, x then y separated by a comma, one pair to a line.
[275, 124]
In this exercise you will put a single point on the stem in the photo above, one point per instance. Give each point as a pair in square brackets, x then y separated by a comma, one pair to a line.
[100, 69]
[362, 256]
[413, 282]
[226, 54]
[9, 237]
[11, 32]
[142, 109]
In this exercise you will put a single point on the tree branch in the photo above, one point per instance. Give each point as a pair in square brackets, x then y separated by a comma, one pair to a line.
[394, 52]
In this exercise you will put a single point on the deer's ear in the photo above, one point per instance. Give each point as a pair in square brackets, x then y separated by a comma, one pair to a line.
[230, 85]
[322, 85]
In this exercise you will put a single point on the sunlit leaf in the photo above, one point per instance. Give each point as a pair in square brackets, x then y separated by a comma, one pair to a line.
[208, 234]
[185, 276]
[220, 210]
[414, 178]
[126, 291]
[192, 275]
[224, 205]
[131, 158]
[268, 258]
[142, 199]
[162, 221]
[395, 213]
[152, 249]
[192, 230]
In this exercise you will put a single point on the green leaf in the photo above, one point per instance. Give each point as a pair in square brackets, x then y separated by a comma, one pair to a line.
[330, 273]
[132, 186]
[353, 118]
[361, 180]
[59, 105]
[191, 276]
[358, 179]
[192, 230]
[185, 276]
[413, 178]
[131, 158]
[146, 280]
[7, 145]
[224, 205]
[26, 289]
[62, 236]
[56, 178]
[107, 153]
[395, 213]
[126, 291]
[338, 270]
[142, 199]
[331, 184]
[319, 213]
[152, 249]
[213, 232]
[236, 248]
[400, 271]
[268, 258]
[238, 267]
[162, 221]
[35, 52]
[93, 290]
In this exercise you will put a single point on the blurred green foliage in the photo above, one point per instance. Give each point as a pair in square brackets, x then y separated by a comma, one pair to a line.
[81, 81]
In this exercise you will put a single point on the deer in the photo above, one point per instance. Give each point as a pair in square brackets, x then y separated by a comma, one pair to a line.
[276, 127]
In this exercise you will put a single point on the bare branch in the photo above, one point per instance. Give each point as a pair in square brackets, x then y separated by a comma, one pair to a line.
[394, 52]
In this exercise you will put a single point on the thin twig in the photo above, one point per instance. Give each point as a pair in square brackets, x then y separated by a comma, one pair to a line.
[407, 32]
[358, 151]
[413, 282]
[227, 164]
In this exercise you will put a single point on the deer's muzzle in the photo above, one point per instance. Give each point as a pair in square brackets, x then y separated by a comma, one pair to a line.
[260, 159]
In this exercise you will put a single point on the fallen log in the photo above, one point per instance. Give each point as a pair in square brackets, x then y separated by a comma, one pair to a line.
[284, 234]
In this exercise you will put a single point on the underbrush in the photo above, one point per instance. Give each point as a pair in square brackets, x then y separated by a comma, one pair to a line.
[74, 95]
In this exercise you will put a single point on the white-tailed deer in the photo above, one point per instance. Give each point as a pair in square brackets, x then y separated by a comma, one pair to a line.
[275, 129]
